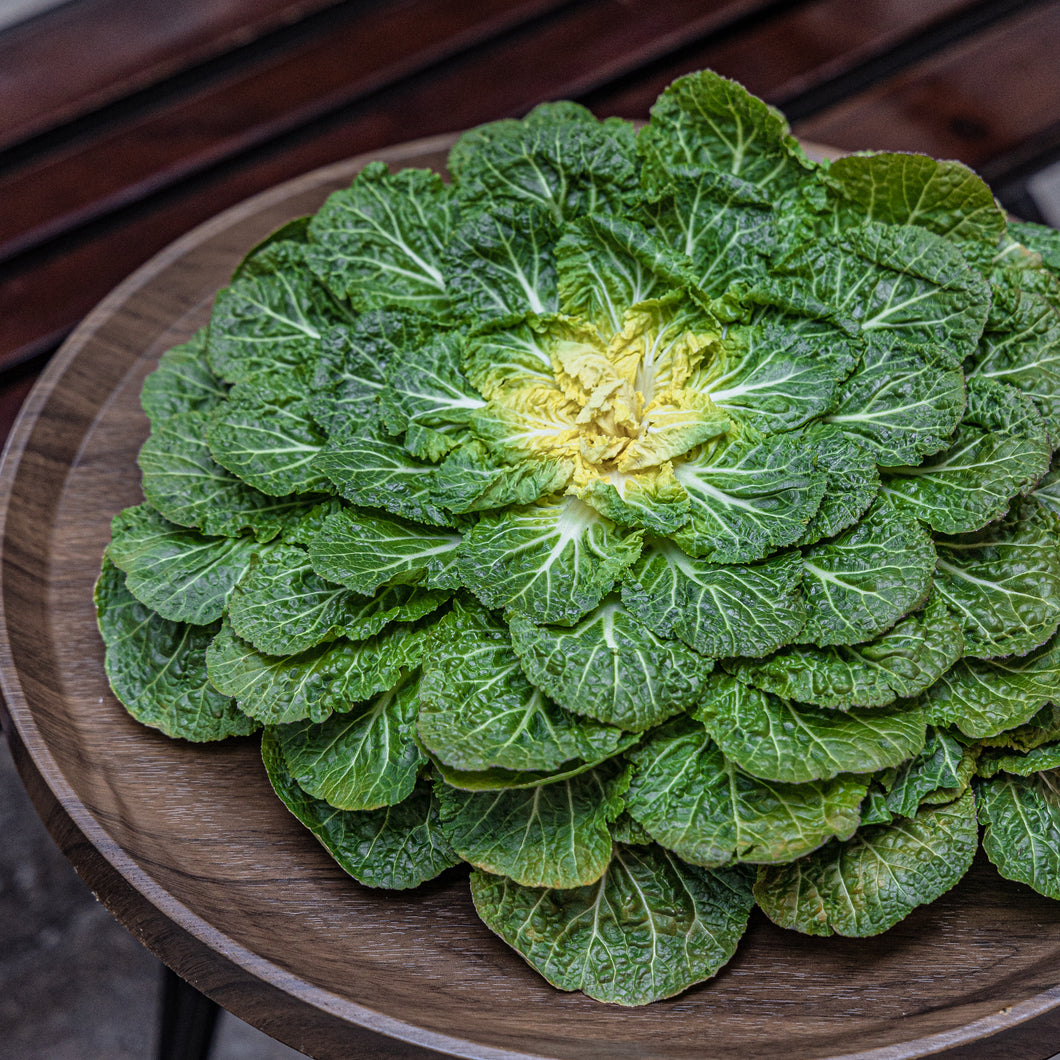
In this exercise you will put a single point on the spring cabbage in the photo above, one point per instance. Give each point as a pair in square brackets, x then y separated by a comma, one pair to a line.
[660, 522]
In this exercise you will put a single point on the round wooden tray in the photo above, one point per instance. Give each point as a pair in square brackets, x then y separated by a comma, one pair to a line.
[191, 851]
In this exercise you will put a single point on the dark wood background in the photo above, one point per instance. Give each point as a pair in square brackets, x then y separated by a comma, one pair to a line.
[124, 123]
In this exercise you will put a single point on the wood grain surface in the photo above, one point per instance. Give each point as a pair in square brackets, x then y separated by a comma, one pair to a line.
[188, 847]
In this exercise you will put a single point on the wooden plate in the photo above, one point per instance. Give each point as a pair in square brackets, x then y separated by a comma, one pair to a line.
[190, 850]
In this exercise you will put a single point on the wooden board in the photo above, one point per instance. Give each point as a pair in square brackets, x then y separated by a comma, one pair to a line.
[191, 851]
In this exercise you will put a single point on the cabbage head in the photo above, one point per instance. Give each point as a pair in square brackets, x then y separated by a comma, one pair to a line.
[659, 521]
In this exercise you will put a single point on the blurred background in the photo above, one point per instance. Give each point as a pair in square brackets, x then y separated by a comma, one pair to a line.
[124, 123]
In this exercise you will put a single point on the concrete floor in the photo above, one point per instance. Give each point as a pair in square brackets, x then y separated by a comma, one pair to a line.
[74, 984]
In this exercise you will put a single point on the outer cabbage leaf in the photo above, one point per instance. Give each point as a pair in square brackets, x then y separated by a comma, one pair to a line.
[373, 473]
[748, 498]
[861, 582]
[649, 928]
[182, 480]
[904, 661]
[365, 551]
[551, 836]
[555, 561]
[269, 320]
[1039, 760]
[628, 832]
[946, 198]
[985, 698]
[360, 759]
[479, 711]
[1021, 828]
[500, 263]
[380, 242]
[999, 450]
[294, 231]
[180, 573]
[156, 668]
[723, 225]
[775, 739]
[305, 519]
[704, 122]
[939, 774]
[1021, 347]
[1042, 240]
[902, 402]
[1043, 728]
[695, 802]
[1047, 492]
[283, 607]
[1003, 583]
[394, 847]
[312, 684]
[719, 610]
[350, 369]
[499, 779]
[610, 666]
[853, 482]
[775, 376]
[182, 382]
[895, 281]
[426, 389]
[558, 157]
[1016, 265]
[867, 884]
[269, 439]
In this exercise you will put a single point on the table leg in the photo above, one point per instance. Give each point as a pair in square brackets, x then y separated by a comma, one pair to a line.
[186, 1027]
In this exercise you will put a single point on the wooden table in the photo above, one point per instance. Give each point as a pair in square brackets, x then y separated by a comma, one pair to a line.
[123, 125]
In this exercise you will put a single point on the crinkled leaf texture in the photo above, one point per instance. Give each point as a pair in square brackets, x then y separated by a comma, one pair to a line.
[695, 802]
[628, 509]
[313, 684]
[1021, 819]
[649, 928]
[182, 382]
[361, 759]
[870, 882]
[776, 739]
[157, 668]
[480, 712]
[183, 575]
[902, 662]
[395, 847]
[939, 774]
[611, 667]
[984, 698]
[555, 835]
